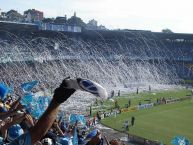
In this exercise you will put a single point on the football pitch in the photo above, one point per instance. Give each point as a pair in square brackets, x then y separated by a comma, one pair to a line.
[160, 123]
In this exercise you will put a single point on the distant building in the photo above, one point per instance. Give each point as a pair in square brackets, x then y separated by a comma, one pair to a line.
[60, 27]
[48, 20]
[13, 15]
[8, 25]
[101, 27]
[92, 25]
[33, 15]
[75, 21]
[60, 20]
[167, 31]
[3, 15]
[63, 24]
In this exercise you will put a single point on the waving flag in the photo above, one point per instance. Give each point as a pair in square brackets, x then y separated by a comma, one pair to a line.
[75, 117]
[4, 90]
[92, 134]
[36, 105]
[75, 137]
[27, 87]
[179, 140]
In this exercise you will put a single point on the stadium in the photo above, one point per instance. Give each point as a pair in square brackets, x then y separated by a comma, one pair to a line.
[150, 69]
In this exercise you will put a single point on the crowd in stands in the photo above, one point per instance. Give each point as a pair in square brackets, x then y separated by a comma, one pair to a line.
[19, 127]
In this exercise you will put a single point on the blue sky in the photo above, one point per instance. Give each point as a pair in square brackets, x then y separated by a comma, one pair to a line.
[154, 15]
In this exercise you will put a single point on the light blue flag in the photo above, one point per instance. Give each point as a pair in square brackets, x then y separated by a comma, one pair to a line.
[75, 137]
[75, 117]
[27, 87]
[40, 104]
[92, 134]
[35, 105]
[64, 140]
[27, 99]
[179, 140]
[4, 90]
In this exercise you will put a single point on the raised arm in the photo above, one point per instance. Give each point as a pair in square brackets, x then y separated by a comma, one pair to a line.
[61, 94]
[56, 126]
[4, 115]
[45, 122]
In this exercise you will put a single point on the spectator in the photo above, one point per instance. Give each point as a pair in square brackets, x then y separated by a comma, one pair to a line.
[96, 140]
[102, 101]
[137, 92]
[94, 121]
[119, 93]
[112, 93]
[98, 117]
[132, 120]
[96, 101]
[147, 142]
[36, 132]
[17, 122]
[129, 102]
[126, 125]
[88, 123]
[47, 141]
[116, 104]
[14, 132]
[157, 101]
[164, 100]
[115, 142]
[90, 110]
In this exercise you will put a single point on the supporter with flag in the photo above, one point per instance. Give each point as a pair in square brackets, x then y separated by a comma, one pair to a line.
[36, 132]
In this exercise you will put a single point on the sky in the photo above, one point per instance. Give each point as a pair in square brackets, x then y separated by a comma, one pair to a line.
[154, 15]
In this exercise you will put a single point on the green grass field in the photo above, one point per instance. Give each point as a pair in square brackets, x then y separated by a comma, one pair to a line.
[143, 98]
[160, 123]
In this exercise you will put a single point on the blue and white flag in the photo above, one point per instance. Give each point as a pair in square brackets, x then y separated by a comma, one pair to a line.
[180, 140]
[75, 137]
[27, 87]
[35, 105]
[4, 90]
[75, 117]
[40, 105]
[92, 134]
